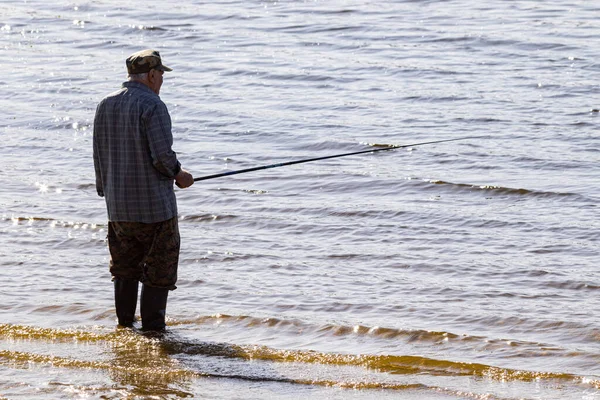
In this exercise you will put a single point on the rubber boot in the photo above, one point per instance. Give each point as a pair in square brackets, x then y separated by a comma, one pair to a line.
[126, 294]
[153, 308]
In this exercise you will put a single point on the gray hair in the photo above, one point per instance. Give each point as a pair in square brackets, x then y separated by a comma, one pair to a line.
[138, 77]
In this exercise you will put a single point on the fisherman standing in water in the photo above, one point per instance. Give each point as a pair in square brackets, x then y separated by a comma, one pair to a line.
[135, 170]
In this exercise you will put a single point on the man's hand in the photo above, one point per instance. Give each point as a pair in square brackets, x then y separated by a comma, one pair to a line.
[184, 179]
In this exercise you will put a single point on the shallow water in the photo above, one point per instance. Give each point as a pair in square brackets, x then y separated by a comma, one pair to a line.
[464, 269]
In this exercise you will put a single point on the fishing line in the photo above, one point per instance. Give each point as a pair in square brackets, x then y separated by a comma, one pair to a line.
[283, 164]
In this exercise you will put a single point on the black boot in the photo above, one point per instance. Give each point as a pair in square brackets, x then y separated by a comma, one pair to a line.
[153, 308]
[126, 294]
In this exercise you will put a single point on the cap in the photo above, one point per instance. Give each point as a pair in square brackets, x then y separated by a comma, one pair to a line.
[145, 60]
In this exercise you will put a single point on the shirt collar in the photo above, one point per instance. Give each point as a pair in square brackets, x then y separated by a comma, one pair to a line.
[137, 85]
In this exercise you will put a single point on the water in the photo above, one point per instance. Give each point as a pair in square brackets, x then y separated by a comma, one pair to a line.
[462, 270]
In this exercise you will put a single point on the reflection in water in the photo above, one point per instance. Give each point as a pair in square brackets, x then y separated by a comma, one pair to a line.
[144, 367]
[143, 364]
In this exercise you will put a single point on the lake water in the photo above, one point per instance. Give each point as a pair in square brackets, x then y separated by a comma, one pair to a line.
[458, 270]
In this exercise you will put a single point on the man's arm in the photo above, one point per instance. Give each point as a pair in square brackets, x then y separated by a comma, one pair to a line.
[98, 171]
[160, 140]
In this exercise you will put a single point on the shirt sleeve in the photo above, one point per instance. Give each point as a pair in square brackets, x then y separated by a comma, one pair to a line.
[99, 186]
[160, 140]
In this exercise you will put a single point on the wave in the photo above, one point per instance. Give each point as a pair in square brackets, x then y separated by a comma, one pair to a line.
[172, 344]
[508, 190]
[53, 222]
[170, 373]
[331, 329]
[508, 347]
[165, 364]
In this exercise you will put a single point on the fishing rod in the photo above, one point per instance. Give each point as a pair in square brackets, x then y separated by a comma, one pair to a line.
[283, 164]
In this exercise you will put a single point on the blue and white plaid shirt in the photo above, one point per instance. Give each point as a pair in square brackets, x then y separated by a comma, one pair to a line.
[134, 163]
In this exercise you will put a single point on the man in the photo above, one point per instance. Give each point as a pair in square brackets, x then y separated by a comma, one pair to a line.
[135, 170]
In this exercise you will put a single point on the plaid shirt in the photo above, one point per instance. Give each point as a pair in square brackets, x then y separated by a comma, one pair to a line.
[134, 163]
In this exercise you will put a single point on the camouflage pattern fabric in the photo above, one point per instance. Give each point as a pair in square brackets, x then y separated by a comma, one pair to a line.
[145, 252]
[145, 60]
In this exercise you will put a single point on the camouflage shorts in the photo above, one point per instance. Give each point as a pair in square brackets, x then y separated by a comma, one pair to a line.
[145, 252]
